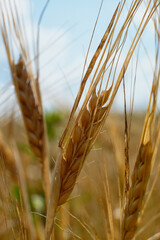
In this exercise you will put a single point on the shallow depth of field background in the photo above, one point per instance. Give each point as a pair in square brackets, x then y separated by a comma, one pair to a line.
[86, 213]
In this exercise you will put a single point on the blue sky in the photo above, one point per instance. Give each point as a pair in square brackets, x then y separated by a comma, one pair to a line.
[67, 27]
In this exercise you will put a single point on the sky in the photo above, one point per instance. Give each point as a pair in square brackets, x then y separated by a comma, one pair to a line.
[65, 33]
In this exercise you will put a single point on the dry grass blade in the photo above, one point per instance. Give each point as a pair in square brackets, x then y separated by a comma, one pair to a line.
[126, 141]
[108, 201]
[27, 91]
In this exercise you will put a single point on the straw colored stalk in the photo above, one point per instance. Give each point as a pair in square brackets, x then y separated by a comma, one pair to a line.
[32, 116]
[137, 190]
[8, 157]
[155, 237]
[29, 225]
[72, 156]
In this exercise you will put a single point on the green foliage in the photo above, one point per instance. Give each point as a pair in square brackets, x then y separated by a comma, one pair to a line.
[25, 148]
[52, 120]
[38, 202]
[15, 192]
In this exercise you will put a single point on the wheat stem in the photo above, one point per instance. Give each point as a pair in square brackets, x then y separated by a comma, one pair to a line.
[155, 237]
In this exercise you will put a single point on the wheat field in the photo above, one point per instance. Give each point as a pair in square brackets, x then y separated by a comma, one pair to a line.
[88, 172]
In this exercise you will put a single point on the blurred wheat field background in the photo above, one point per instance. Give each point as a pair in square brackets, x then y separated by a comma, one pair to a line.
[89, 172]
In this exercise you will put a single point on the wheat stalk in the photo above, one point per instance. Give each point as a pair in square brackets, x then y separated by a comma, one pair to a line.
[22, 181]
[155, 237]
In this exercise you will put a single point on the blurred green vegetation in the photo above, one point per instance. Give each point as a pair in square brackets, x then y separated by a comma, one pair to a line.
[52, 120]
[15, 191]
[25, 148]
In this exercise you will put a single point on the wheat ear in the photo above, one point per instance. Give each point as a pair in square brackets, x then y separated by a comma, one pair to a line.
[71, 159]
[29, 106]
[26, 87]
[32, 116]
[142, 169]
[137, 190]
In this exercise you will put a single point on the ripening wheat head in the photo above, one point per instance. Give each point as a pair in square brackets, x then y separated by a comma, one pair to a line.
[26, 86]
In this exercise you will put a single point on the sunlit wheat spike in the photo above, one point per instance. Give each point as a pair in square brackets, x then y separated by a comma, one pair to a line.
[73, 154]
[142, 168]
[137, 190]
[32, 114]
[80, 143]
[26, 85]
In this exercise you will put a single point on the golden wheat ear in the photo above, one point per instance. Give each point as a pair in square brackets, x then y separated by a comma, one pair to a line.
[137, 190]
[31, 111]
[72, 156]
[27, 91]
[76, 143]
[142, 170]
[33, 117]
